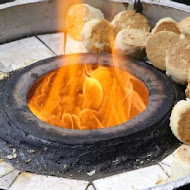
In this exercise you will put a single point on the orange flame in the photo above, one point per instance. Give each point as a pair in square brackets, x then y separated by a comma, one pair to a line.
[81, 96]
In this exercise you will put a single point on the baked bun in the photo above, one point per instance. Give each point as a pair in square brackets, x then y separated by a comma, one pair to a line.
[187, 90]
[157, 46]
[130, 19]
[184, 24]
[98, 36]
[180, 121]
[178, 60]
[77, 16]
[180, 166]
[131, 42]
[166, 24]
[184, 27]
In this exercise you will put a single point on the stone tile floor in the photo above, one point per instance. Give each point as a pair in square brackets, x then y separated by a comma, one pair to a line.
[24, 52]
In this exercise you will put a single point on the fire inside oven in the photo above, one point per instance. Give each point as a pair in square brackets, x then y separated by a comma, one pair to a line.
[82, 96]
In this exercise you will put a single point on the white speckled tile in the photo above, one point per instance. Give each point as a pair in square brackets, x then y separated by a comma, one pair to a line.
[5, 168]
[90, 187]
[3, 68]
[137, 179]
[15, 55]
[7, 180]
[54, 41]
[166, 168]
[168, 160]
[28, 181]
[74, 46]
[166, 163]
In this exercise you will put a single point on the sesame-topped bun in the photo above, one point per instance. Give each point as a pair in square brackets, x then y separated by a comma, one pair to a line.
[184, 26]
[180, 121]
[157, 46]
[98, 36]
[180, 166]
[178, 60]
[166, 24]
[130, 19]
[77, 16]
[131, 42]
[185, 23]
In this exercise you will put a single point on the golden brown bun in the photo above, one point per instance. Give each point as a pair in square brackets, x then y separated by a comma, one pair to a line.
[130, 19]
[166, 24]
[157, 46]
[184, 26]
[77, 16]
[178, 60]
[180, 166]
[98, 36]
[131, 42]
[185, 23]
[180, 121]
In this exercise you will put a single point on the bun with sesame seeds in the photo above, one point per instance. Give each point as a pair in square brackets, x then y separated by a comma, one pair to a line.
[131, 42]
[130, 19]
[77, 16]
[178, 60]
[98, 36]
[166, 24]
[157, 46]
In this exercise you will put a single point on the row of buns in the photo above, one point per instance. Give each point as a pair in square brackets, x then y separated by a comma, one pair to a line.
[166, 46]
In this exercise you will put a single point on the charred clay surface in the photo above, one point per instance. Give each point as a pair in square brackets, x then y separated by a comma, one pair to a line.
[38, 147]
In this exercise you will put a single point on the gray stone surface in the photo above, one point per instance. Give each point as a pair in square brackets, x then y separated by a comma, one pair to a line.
[28, 181]
[166, 164]
[54, 41]
[5, 168]
[137, 179]
[7, 180]
[3, 68]
[24, 52]
[90, 187]
[74, 46]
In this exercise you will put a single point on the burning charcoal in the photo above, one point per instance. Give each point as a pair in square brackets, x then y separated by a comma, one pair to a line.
[180, 121]
[180, 166]
[178, 60]
[166, 24]
[157, 46]
[131, 42]
[184, 26]
[77, 16]
[98, 36]
[130, 19]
